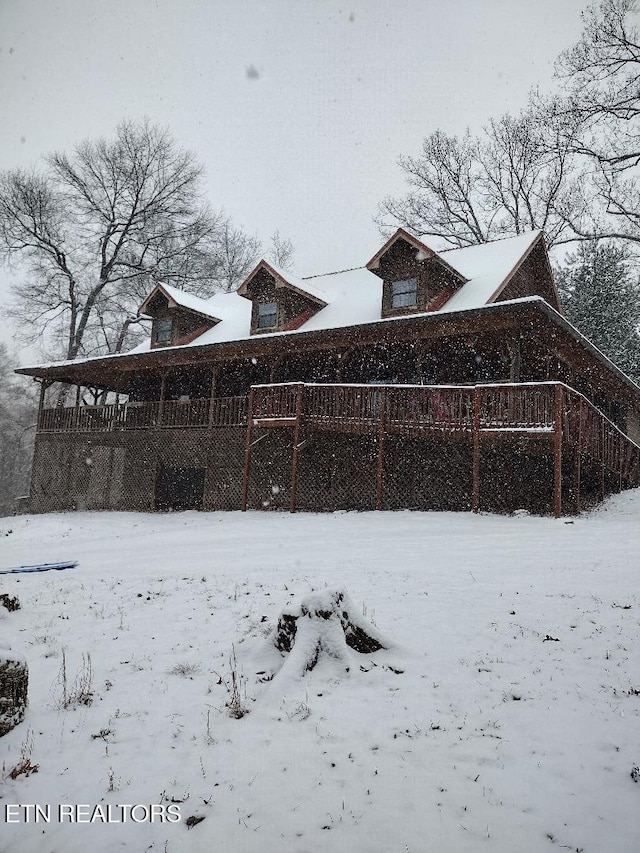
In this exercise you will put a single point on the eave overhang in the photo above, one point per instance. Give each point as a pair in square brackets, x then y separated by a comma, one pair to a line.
[517, 317]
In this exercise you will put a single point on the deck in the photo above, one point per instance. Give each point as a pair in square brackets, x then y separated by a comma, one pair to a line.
[568, 424]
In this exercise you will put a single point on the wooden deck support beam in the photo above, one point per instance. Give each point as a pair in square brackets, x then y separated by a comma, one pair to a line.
[475, 498]
[577, 461]
[163, 387]
[246, 471]
[620, 464]
[557, 453]
[296, 447]
[382, 435]
[212, 394]
[602, 461]
[44, 384]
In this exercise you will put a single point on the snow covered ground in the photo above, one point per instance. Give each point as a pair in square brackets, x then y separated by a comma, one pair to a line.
[506, 718]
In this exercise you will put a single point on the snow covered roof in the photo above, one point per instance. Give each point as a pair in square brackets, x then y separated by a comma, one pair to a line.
[353, 297]
[283, 278]
[487, 268]
[182, 299]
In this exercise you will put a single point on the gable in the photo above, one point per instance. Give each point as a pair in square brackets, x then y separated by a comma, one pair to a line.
[533, 277]
[279, 301]
[415, 278]
[177, 317]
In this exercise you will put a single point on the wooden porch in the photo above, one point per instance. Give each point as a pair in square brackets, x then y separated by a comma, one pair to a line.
[547, 411]
[550, 416]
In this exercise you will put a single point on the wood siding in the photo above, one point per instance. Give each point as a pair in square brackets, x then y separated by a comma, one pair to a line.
[533, 278]
[291, 305]
[401, 262]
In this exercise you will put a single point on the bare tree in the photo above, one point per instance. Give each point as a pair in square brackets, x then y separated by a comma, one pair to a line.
[18, 408]
[598, 112]
[235, 255]
[569, 164]
[474, 189]
[281, 251]
[98, 227]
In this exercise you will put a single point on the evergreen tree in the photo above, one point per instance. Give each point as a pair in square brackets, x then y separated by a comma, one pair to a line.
[600, 293]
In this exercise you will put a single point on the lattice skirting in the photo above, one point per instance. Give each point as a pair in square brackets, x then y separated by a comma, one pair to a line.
[335, 471]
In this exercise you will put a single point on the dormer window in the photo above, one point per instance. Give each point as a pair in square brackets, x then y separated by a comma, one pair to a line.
[267, 315]
[178, 317]
[404, 293]
[415, 279]
[164, 330]
[279, 301]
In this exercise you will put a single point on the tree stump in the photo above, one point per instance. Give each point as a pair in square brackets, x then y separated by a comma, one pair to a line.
[14, 681]
[14, 675]
[10, 602]
[324, 623]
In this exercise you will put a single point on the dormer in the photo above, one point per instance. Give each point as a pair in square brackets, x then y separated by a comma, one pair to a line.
[177, 317]
[416, 279]
[279, 301]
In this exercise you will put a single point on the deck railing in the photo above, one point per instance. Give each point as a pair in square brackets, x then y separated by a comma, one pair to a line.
[412, 407]
[223, 411]
[547, 411]
[551, 412]
[526, 408]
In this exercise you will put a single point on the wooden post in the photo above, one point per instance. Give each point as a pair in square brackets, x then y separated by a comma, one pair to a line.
[577, 460]
[76, 409]
[620, 461]
[296, 442]
[475, 499]
[247, 454]
[342, 358]
[602, 468]
[274, 367]
[163, 385]
[515, 360]
[382, 422]
[419, 351]
[557, 453]
[212, 395]
[43, 388]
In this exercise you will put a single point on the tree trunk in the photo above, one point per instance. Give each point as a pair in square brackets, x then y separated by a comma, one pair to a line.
[325, 623]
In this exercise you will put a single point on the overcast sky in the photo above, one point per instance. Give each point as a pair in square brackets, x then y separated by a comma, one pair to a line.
[299, 109]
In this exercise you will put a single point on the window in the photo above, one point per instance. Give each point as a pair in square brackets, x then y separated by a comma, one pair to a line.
[164, 329]
[267, 315]
[404, 294]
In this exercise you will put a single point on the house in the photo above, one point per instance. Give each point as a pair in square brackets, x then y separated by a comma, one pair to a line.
[423, 379]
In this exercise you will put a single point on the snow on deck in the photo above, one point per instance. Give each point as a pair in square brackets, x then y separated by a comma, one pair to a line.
[509, 721]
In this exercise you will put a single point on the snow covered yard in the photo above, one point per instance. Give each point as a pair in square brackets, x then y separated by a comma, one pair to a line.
[506, 718]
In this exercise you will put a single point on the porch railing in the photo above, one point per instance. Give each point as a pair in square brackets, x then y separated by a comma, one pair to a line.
[526, 408]
[549, 411]
[223, 411]
[574, 428]
[412, 407]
